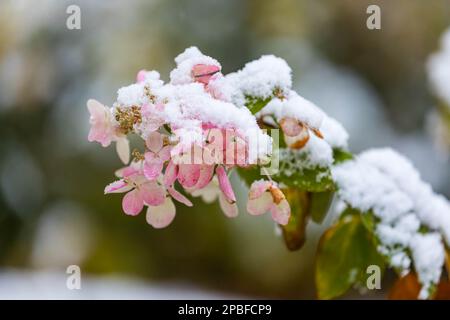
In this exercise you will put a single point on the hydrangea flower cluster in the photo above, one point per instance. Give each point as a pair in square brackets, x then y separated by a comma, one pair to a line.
[203, 124]
[194, 134]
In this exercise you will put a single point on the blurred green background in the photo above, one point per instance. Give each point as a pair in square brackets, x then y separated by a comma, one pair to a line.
[52, 209]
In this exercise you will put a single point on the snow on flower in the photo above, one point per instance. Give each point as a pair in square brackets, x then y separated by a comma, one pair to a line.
[266, 77]
[196, 129]
[194, 135]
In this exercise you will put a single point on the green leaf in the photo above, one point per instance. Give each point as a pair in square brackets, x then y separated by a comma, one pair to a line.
[249, 175]
[294, 233]
[255, 104]
[341, 155]
[320, 203]
[344, 253]
[369, 220]
[314, 180]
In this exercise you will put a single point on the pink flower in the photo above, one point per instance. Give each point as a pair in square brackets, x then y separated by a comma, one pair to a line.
[211, 192]
[195, 176]
[156, 156]
[139, 190]
[140, 77]
[266, 196]
[296, 133]
[170, 176]
[151, 116]
[102, 129]
[202, 73]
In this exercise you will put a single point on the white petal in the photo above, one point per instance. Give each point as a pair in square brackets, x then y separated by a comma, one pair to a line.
[123, 149]
[161, 216]
[260, 205]
[281, 212]
[229, 209]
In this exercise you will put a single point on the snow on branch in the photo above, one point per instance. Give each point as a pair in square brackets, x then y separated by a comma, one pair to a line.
[412, 222]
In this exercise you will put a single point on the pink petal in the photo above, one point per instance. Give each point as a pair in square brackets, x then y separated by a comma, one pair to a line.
[152, 171]
[126, 172]
[99, 134]
[299, 140]
[152, 193]
[235, 149]
[132, 203]
[164, 153]
[260, 205]
[154, 141]
[291, 127]
[179, 197]
[229, 209]
[224, 184]
[118, 186]
[188, 174]
[159, 107]
[170, 175]
[213, 151]
[151, 157]
[206, 174]
[146, 109]
[141, 76]
[96, 109]
[161, 216]
[281, 212]
[101, 130]
[258, 188]
[203, 73]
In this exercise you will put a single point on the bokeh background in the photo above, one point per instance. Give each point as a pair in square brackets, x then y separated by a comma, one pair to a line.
[52, 209]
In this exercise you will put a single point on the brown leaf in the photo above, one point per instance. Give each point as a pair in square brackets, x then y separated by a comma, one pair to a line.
[405, 288]
[443, 291]
[408, 288]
